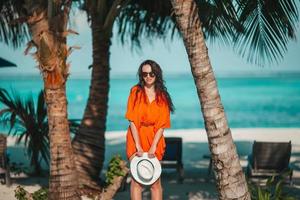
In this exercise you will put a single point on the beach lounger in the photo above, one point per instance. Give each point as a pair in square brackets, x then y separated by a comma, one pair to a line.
[269, 159]
[4, 166]
[173, 156]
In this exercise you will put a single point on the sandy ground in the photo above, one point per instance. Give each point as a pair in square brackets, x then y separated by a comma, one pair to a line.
[197, 183]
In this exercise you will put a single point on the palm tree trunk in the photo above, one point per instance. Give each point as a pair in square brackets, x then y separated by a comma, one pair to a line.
[231, 182]
[89, 142]
[63, 180]
[51, 56]
[35, 163]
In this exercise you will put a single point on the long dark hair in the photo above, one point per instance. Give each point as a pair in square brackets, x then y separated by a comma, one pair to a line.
[159, 84]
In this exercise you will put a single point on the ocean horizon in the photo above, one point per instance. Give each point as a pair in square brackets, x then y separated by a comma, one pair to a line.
[250, 101]
[123, 75]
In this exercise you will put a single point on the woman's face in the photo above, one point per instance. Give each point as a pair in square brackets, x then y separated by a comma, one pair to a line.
[148, 76]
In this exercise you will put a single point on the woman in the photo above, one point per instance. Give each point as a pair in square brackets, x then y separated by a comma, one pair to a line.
[148, 111]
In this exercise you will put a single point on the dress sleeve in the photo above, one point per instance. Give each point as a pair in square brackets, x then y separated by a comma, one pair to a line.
[164, 118]
[130, 106]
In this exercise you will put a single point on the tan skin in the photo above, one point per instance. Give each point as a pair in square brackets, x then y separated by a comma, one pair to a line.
[156, 188]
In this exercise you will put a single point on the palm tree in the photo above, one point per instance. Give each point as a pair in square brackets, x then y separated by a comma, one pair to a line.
[47, 25]
[257, 33]
[89, 141]
[230, 177]
[29, 123]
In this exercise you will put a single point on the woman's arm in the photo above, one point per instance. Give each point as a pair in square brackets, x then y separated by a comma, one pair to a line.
[157, 136]
[136, 139]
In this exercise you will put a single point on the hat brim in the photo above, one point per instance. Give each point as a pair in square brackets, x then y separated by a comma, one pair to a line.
[133, 168]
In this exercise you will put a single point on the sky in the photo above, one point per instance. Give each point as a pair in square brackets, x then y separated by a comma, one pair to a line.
[170, 54]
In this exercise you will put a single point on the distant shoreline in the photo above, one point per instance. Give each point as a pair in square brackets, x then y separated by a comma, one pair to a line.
[241, 130]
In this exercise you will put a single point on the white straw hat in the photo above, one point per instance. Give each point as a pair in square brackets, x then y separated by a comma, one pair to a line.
[145, 170]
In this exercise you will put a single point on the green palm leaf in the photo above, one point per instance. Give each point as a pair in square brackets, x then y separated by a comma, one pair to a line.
[154, 19]
[219, 19]
[29, 124]
[12, 29]
[268, 27]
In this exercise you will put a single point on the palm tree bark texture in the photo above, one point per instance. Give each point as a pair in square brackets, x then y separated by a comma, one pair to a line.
[231, 182]
[48, 29]
[89, 142]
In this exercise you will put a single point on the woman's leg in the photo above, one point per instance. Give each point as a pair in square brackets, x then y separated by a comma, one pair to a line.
[135, 187]
[156, 190]
[135, 190]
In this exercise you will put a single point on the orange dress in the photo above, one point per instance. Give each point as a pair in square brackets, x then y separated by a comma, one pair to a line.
[148, 117]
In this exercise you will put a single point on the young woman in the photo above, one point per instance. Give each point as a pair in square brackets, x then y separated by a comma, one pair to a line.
[148, 111]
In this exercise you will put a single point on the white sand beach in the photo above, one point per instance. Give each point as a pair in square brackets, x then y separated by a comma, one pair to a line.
[197, 184]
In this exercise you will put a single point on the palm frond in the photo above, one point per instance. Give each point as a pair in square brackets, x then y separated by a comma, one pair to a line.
[152, 19]
[45, 151]
[10, 112]
[142, 18]
[20, 137]
[5, 98]
[5, 118]
[28, 123]
[268, 27]
[219, 19]
[41, 108]
[12, 29]
[12, 121]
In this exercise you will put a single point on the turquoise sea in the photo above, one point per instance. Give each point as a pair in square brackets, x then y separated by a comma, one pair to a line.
[272, 101]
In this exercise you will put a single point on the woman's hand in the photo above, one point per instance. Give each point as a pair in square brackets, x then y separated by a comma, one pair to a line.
[139, 151]
[151, 152]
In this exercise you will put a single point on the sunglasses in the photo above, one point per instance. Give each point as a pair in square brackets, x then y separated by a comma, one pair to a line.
[145, 74]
